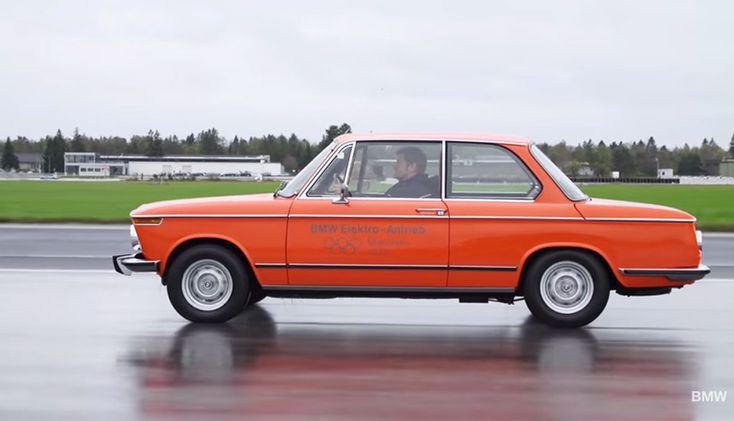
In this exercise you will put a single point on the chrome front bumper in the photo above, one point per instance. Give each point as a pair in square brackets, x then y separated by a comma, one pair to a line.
[126, 264]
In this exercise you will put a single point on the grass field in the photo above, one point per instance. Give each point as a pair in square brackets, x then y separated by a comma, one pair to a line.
[61, 201]
[712, 205]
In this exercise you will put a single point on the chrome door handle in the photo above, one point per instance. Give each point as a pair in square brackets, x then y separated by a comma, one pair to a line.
[437, 211]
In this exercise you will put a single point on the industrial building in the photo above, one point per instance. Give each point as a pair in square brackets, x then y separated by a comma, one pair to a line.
[89, 164]
[726, 168]
[30, 162]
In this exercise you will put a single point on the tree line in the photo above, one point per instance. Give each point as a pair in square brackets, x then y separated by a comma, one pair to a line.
[635, 159]
[638, 159]
[293, 152]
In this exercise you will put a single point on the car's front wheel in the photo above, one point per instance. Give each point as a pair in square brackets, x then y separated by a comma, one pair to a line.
[207, 284]
[566, 288]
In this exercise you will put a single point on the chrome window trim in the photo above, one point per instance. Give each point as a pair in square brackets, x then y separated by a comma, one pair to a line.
[444, 155]
[329, 159]
[526, 169]
[350, 164]
[373, 198]
[438, 138]
[490, 200]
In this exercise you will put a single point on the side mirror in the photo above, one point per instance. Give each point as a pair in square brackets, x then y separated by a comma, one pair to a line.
[343, 195]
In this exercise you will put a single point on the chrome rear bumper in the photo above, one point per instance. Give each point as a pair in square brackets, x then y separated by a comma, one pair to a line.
[687, 274]
[126, 264]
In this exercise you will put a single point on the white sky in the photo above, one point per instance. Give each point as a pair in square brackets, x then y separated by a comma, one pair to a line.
[549, 70]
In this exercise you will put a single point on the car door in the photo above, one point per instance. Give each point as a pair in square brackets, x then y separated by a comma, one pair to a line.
[370, 239]
[497, 214]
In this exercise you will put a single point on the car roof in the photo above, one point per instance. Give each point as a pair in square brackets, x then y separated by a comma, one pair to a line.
[495, 138]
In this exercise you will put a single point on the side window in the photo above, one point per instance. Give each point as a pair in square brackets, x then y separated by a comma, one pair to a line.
[487, 171]
[333, 176]
[396, 169]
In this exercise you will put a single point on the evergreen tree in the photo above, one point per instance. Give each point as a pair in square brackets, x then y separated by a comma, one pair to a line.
[210, 142]
[9, 159]
[156, 143]
[53, 154]
[690, 164]
[602, 161]
[622, 161]
[234, 147]
[332, 133]
[77, 142]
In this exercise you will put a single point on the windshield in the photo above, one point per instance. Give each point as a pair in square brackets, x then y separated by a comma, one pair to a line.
[300, 179]
[569, 188]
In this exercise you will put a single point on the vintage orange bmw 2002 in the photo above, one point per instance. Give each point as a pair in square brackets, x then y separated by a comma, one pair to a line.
[473, 217]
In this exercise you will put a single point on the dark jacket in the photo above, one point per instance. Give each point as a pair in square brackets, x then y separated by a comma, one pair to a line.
[412, 187]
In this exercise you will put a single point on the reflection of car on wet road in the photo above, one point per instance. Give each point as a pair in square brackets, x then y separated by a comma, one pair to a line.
[498, 372]
[478, 218]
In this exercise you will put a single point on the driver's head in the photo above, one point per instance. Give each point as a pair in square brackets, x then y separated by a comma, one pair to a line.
[411, 161]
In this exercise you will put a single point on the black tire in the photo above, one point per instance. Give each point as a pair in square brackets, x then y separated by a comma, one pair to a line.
[573, 271]
[209, 264]
[256, 296]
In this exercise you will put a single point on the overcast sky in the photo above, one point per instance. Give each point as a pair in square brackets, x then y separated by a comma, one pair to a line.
[549, 70]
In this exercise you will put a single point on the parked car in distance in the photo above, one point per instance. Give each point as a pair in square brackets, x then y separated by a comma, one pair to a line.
[475, 217]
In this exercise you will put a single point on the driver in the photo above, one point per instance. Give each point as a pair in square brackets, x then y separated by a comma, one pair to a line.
[410, 170]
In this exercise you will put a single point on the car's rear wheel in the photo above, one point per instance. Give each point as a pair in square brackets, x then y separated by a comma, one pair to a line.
[566, 288]
[207, 284]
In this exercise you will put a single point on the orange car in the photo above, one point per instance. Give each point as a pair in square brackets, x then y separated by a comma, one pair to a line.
[472, 217]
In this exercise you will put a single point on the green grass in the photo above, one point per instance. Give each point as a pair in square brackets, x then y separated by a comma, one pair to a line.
[108, 202]
[712, 205]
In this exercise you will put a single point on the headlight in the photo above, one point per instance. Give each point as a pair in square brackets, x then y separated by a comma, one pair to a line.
[134, 239]
[699, 239]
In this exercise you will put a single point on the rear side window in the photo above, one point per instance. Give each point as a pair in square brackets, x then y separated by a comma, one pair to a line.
[486, 171]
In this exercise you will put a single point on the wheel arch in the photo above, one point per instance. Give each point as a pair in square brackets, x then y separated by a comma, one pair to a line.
[227, 243]
[532, 255]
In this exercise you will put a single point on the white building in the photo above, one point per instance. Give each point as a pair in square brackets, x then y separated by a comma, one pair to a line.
[665, 173]
[90, 164]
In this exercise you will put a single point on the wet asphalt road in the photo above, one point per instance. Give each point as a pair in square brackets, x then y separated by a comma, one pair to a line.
[80, 342]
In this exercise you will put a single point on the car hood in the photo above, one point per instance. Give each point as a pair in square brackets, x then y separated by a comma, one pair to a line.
[251, 204]
[618, 209]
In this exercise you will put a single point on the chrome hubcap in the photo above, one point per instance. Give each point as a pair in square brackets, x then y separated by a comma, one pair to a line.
[207, 285]
[566, 287]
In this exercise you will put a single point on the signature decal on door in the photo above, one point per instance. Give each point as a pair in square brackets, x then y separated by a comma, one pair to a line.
[367, 229]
